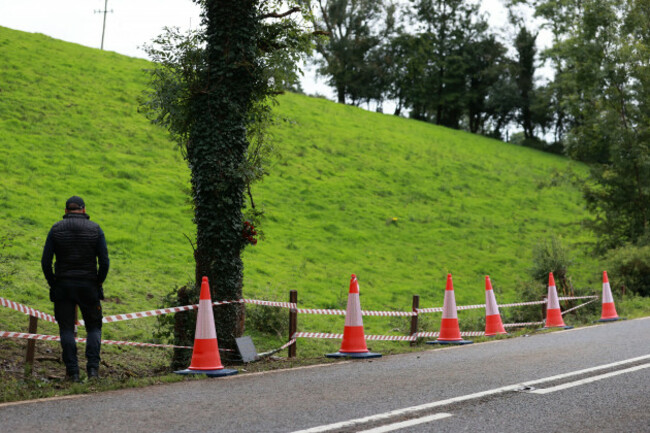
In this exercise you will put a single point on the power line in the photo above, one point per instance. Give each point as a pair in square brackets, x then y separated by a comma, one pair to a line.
[105, 11]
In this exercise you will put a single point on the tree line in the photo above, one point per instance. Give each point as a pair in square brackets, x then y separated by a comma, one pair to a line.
[438, 61]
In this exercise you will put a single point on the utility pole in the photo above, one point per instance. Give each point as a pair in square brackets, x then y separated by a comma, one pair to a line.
[105, 11]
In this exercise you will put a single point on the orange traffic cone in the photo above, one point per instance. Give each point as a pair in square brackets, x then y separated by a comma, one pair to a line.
[354, 339]
[205, 354]
[493, 323]
[553, 312]
[609, 310]
[449, 330]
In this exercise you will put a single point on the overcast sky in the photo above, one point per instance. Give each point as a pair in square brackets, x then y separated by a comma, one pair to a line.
[132, 23]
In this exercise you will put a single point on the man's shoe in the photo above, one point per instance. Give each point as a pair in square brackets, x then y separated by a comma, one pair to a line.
[72, 377]
[93, 373]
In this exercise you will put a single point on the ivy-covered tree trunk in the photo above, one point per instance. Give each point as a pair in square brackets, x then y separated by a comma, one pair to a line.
[216, 153]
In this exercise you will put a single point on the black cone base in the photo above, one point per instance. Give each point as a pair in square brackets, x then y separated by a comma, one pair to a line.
[450, 342]
[210, 373]
[354, 355]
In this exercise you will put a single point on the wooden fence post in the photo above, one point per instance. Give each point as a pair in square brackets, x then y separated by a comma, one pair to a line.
[293, 321]
[31, 346]
[544, 307]
[414, 319]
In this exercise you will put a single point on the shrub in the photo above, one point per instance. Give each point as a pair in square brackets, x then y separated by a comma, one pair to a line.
[265, 319]
[552, 256]
[630, 266]
[528, 291]
[268, 320]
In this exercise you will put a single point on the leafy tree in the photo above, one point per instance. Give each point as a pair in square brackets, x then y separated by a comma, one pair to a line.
[354, 29]
[447, 28]
[211, 89]
[501, 104]
[404, 69]
[602, 51]
[525, 73]
[487, 64]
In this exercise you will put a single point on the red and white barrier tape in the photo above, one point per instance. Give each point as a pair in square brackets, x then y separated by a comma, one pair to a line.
[578, 306]
[569, 298]
[39, 314]
[522, 324]
[159, 312]
[389, 313]
[363, 312]
[320, 311]
[27, 310]
[151, 313]
[512, 325]
[384, 337]
[462, 334]
[515, 304]
[565, 298]
[24, 335]
[429, 310]
[162, 311]
[287, 344]
[340, 336]
[271, 352]
[270, 303]
[472, 333]
[128, 316]
[521, 304]
[426, 334]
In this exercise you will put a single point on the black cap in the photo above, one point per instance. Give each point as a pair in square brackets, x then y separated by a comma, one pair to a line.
[75, 203]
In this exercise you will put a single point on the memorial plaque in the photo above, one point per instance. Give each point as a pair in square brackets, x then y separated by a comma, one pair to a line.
[246, 349]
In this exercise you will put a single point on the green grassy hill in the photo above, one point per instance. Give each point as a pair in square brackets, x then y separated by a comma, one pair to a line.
[463, 203]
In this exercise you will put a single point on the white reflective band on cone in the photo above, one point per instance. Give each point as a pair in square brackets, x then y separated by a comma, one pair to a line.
[205, 321]
[607, 294]
[491, 307]
[449, 308]
[553, 302]
[353, 316]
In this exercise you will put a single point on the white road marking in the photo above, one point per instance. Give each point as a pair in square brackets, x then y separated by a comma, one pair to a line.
[427, 406]
[406, 411]
[586, 370]
[588, 380]
[409, 423]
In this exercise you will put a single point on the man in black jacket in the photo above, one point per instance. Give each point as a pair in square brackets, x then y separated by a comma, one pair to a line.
[79, 246]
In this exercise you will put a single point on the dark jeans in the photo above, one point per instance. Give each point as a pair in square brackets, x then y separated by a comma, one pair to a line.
[91, 311]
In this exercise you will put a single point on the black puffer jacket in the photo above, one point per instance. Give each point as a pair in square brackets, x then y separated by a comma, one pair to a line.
[75, 245]
[79, 246]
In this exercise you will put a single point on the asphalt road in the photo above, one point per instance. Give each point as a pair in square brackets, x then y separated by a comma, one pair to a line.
[526, 384]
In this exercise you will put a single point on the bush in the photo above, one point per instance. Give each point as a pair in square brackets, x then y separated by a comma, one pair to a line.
[552, 256]
[268, 320]
[528, 291]
[630, 266]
